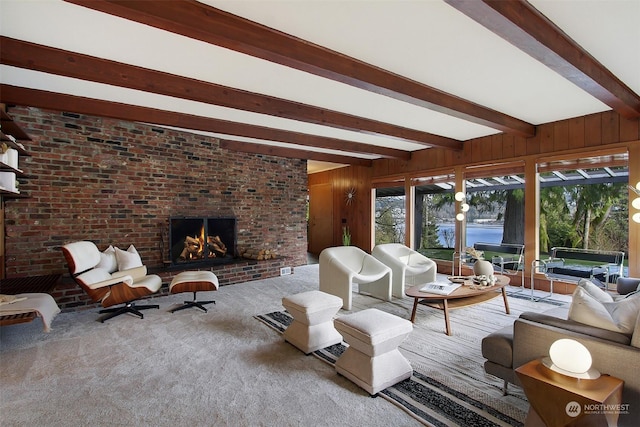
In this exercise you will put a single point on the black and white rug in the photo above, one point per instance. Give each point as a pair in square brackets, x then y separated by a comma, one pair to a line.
[431, 400]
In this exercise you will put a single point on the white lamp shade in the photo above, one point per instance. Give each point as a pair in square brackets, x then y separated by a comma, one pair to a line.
[459, 196]
[571, 358]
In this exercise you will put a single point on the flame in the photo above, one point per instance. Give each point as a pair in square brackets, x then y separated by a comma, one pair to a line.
[202, 240]
[194, 247]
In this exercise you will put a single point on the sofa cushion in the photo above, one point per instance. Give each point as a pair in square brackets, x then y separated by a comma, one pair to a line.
[136, 273]
[94, 275]
[573, 326]
[626, 285]
[617, 316]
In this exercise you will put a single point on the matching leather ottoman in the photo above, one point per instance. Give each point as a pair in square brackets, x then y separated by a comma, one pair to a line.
[372, 360]
[312, 327]
[194, 281]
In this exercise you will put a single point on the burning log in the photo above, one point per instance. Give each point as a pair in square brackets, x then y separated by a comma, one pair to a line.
[216, 246]
[192, 248]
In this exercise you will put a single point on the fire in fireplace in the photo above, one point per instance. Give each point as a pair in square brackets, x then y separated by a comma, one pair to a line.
[202, 240]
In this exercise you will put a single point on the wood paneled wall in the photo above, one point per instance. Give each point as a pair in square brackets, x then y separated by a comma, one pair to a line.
[357, 214]
[581, 134]
[578, 137]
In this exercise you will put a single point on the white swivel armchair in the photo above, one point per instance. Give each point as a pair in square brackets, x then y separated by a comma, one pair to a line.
[409, 267]
[342, 266]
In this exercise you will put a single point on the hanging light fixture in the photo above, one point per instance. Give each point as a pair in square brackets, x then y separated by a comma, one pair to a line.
[635, 203]
[464, 206]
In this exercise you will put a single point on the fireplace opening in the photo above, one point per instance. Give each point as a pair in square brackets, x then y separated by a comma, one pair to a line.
[204, 240]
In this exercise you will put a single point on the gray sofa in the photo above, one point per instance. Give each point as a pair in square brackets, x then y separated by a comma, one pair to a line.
[532, 334]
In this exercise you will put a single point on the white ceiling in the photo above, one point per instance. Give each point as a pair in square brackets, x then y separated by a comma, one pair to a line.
[425, 40]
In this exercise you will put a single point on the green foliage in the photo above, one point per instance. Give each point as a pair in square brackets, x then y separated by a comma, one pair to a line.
[346, 236]
[389, 220]
[430, 236]
[429, 227]
[584, 216]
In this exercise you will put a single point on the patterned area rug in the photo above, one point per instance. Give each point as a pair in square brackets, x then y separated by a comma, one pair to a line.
[428, 399]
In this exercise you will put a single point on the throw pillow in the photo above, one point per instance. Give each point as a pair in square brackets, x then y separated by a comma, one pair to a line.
[595, 291]
[108, 260]
[624, 312]
[128, 259]
[617, 316]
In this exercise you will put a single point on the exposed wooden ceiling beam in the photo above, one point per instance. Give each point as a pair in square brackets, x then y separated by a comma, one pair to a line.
[518, 22]
[32, 56]
[271, 150]
[202, 22]
[61, 102]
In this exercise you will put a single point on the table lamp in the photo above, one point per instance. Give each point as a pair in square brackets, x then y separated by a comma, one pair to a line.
[569, 357]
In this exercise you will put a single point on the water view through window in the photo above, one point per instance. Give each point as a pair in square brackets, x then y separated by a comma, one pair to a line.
[475, 233]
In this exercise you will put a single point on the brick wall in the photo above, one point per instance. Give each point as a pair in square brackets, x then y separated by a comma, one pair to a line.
[115, 182]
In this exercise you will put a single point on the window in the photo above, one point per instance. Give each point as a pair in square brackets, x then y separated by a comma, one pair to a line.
[390, 218]
[584, 203]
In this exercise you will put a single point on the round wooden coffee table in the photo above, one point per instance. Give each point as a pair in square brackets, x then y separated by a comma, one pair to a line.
[464, 296]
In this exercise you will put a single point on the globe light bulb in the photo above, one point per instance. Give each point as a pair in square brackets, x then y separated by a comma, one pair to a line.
[636, 217]
[459, 196]
[465, 207]
[571, 358]
[638, 185]
[636, 203]
[460, 216]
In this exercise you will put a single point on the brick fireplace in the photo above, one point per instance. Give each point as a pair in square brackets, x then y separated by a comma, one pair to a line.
[195, 241]
[119, 183]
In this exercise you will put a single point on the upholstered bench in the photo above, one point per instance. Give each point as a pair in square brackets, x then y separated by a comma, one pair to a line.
[312, 327]
[193, 281]
[372, 360]
[22, 308]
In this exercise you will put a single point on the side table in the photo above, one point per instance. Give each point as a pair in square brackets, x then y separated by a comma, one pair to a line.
[558, 400]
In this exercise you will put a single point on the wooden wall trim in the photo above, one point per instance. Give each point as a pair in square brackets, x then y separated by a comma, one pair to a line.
[606, 130]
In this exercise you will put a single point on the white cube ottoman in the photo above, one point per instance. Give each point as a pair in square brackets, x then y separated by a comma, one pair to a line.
[373, 360]
[312, 327]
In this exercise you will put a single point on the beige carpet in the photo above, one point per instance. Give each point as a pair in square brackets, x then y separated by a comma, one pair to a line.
[224, 367]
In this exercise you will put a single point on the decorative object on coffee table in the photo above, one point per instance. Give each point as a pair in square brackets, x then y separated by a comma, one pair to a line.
[462, 297]
[482, 267]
